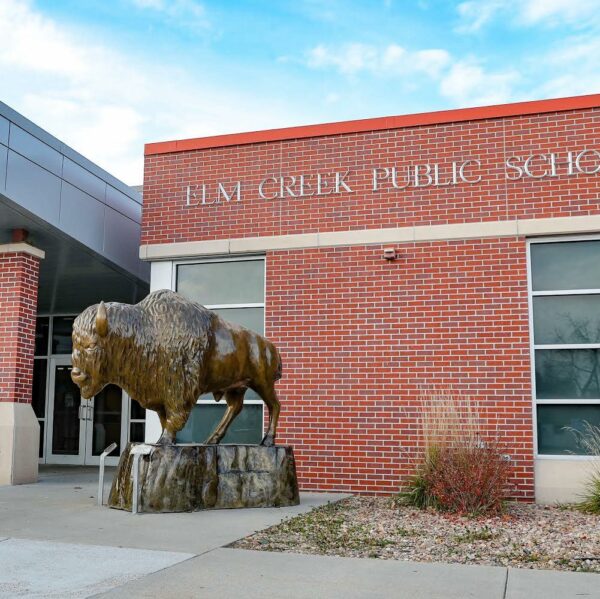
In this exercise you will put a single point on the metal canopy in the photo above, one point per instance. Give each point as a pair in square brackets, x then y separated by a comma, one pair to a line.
[86, 221]
[71, 276]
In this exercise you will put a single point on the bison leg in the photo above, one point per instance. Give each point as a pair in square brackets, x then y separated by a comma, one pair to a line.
[166, 437]
[269, 396]
[172, 422]
[235, 402]
[162, 417]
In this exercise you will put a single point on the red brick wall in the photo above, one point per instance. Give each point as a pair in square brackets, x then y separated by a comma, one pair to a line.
[18, 306]
[167, 219]
[360, 335]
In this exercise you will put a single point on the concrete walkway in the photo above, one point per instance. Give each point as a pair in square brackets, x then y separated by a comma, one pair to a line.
[238, 573]
[62, 507]
[55, 542]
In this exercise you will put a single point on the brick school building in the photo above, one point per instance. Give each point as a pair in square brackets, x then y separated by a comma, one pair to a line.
[391, 258]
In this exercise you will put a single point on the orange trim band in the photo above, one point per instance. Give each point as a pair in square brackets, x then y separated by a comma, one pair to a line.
[376, 124]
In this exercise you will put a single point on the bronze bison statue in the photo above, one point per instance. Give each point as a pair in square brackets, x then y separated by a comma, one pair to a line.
[166, 351]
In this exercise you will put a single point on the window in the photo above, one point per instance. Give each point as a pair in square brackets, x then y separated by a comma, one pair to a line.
[137, 422]
[42, 331]
[62, 328]
[565, 302]
[235, 289]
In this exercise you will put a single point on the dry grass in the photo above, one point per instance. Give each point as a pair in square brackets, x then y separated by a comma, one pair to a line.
[446, 418]
[589, 441]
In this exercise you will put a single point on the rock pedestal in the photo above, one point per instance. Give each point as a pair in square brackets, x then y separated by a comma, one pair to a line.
[186, 478]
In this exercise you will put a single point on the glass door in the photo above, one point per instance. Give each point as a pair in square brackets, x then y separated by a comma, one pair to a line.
[66, 416]
[105, 425]
[79, 429]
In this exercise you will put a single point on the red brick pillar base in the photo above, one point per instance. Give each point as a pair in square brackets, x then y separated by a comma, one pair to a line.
[19, 428]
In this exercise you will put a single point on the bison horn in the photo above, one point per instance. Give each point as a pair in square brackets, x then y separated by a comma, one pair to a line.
[101, 320]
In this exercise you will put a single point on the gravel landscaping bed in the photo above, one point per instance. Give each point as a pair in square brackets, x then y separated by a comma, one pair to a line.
[526, 536]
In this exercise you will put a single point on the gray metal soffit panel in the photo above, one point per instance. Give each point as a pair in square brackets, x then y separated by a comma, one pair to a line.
[72, 276]
[46, 180]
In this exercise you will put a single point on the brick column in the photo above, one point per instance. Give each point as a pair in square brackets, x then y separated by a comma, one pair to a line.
[19, 428]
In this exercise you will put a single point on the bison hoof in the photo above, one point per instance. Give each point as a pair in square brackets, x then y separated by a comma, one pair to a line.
[166, 439]
[268, 441]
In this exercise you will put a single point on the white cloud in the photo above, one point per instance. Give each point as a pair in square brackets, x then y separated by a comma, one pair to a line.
[185, 13]
[475, 14]
[86, 93]
[464, 82]
[430, 62]
[350, 59]
[31, 42]
[353, 58]
[107, 104]
[573, 67]
[467, 83]
[568, 68]
[557, 11]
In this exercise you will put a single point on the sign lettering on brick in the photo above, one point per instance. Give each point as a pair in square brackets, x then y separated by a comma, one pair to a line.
[391, 178]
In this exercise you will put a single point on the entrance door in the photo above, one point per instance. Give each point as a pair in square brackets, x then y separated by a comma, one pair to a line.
[104, 425]
[78, 429]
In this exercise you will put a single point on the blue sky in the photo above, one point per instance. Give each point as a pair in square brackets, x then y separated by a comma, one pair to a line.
[107, 76]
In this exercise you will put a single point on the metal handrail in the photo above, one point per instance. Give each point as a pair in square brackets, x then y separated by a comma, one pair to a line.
[103, 455]
[137, 451]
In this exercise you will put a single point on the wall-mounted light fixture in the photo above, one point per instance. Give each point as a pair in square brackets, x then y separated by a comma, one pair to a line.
[19, 235]
[389, 253]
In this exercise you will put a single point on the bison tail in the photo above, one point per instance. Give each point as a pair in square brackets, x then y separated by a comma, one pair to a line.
[279, 367]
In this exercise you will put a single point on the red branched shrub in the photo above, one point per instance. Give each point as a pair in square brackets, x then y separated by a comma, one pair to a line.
[469, 478]
[459, 472]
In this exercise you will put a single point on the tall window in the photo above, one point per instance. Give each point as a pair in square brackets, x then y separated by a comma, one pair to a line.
[235, 289]
[565, 298]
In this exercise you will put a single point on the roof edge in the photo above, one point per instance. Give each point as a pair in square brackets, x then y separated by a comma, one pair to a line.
[376, 124]
[21, 121]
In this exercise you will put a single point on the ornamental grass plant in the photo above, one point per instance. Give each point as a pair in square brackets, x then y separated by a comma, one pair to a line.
[588, 438]
[459, 471]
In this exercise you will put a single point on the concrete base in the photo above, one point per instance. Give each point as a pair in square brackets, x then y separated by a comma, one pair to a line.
[19, 444]
[561, 481]
[189, 477]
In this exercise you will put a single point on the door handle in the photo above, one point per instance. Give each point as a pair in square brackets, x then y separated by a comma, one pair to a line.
[80, 413]
[90, 412]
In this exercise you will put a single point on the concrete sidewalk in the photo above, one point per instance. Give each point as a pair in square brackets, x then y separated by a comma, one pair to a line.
[230, 573]
[55, 542]
[62, 507]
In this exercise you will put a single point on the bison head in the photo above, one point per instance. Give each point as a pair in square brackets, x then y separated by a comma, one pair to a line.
[90, 330]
